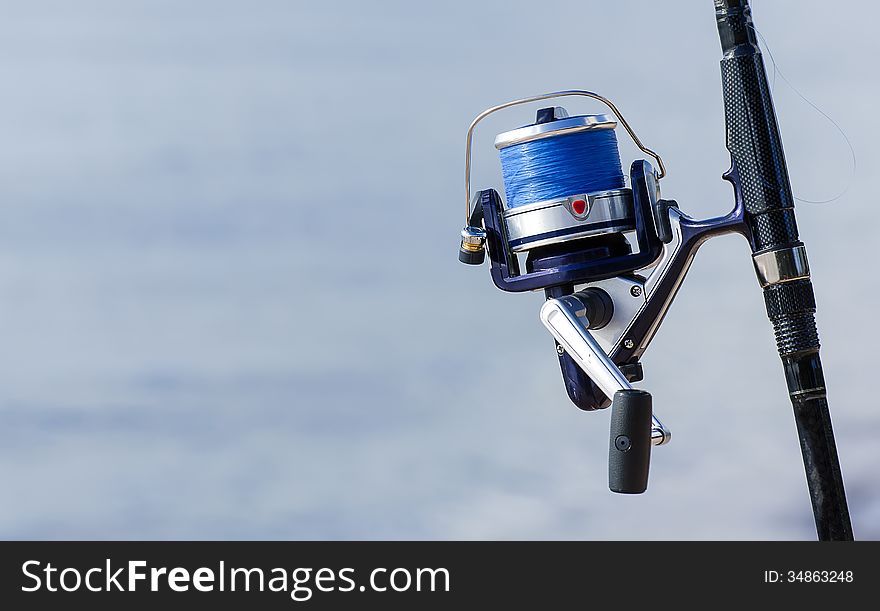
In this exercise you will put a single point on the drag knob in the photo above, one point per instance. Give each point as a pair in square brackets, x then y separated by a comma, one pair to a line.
[629, 454]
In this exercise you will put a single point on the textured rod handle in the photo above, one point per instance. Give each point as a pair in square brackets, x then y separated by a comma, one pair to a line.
[629, 454]
[752, 132]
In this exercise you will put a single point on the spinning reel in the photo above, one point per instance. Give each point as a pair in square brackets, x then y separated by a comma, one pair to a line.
[609, 259]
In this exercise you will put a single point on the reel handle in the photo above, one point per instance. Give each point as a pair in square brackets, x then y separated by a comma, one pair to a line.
[634, 427]
[629, 448]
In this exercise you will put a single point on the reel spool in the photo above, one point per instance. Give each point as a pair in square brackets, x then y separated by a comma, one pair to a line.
[567, 208]
[563, 180]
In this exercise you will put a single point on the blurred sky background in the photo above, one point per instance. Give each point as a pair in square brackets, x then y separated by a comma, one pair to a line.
[230, 304]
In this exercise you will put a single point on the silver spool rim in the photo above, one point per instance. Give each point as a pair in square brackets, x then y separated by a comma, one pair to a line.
[554, 221]
[551, 129]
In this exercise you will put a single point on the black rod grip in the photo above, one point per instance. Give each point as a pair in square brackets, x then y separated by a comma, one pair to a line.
[629, 453]
[752, 131]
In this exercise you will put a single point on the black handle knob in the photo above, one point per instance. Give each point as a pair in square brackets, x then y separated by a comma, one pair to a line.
[629, 453]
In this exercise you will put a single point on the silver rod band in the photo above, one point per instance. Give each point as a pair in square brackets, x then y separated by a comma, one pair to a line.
[783, 265]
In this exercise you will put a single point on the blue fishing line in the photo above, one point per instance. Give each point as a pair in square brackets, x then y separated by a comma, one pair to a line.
[554, 167]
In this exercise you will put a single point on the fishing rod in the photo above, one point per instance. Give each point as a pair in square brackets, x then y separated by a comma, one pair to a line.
[610, 258]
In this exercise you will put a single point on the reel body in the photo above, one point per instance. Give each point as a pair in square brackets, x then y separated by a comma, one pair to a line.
[609, 259]
[577, 234]
[585, 249]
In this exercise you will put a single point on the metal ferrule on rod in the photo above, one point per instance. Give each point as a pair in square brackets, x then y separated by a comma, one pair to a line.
[781, 265]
